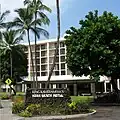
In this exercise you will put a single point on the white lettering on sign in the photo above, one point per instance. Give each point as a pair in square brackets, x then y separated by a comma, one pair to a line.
[47, 95]
[57, 95]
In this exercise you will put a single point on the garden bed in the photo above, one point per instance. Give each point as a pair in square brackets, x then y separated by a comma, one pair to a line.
[77, 106]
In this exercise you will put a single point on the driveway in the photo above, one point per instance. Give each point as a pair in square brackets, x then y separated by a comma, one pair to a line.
[103, 113]
[106, 113]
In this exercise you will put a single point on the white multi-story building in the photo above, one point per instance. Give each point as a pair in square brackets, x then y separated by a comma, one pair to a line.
[61, 76]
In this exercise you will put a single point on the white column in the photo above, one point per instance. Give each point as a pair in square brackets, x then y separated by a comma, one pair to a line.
[50, 86]
[105, 88]
[29, 63]
[92, 88]
[40, 85]
[75, 89]
[48, 58]
[59, 61]
[63, 85]
[118, 83]
[23, 87]
[54, 86]
[40, 63]
[111, 88]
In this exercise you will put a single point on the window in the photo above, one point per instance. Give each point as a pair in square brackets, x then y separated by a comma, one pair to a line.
[51, 52]
[56, 67]
[38, 73]
[62, 58]
[62, 51]
[50, 59]
[38, 68]
[43, 60]
[37, 47]
[37, 54]
[43, 85]
[62, 72]
[38, 61]
[44, 46]
[43, 67]
[52, 45]
[56, 72]
[63, 66]
[43, 53]
[62, 44]
[43, 73]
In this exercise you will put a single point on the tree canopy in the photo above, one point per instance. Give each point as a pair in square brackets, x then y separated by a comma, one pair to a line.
[94, 48]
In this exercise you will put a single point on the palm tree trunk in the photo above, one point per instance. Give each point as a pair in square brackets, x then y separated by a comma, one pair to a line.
[0, 81]
[35, 54]
[11, 72]
[31, 55]
[57, 46]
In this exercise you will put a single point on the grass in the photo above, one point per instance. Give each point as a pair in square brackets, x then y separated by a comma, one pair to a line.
[82, 98]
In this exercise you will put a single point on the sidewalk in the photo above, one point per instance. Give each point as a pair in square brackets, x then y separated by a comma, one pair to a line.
[6, 112]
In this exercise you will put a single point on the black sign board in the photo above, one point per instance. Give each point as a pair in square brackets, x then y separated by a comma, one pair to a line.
[47, 96]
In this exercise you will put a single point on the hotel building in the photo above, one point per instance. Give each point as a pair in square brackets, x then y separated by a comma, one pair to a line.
[61, 76]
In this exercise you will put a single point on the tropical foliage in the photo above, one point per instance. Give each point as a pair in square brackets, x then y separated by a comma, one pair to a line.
[94, 48]
[38, 9]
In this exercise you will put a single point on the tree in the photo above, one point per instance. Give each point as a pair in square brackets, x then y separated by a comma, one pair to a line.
[2, 19]
[9, 45]
[94, 48]
[19, 66]
[25, 23]
[57, 46]
[2, 25]
[38, 9]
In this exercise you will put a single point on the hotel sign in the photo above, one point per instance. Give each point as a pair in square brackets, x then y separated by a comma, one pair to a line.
[46, 95]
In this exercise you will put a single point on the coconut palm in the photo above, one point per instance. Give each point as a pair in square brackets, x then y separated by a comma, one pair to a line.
[2, 25]
[2, 19]
[38, 9]
[25, 23]
[8, 45]
[57, 46]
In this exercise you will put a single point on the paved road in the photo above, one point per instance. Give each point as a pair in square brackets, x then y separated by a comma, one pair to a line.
[103, 113]
[106, 113]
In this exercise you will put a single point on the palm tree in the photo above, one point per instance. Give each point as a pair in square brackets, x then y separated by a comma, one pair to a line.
[57, 46]
[38, 9]
[8, 44]
[2, 19]
[24, 24]
[2, 25]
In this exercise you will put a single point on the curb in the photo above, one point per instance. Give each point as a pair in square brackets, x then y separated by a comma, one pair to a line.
[75, 116]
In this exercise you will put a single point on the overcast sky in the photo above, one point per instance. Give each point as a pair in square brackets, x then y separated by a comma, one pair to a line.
[71, 11]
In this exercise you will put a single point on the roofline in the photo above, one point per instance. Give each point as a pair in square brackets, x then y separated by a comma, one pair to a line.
[44, 41]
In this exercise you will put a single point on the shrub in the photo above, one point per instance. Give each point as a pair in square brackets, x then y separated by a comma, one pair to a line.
[5, 96]
[79, 106]
[82, 106]
[18, 107]
[34, 109]
[25, 113]
[17, 98]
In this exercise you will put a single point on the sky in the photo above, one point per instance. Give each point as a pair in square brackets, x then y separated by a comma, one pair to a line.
[72, 11]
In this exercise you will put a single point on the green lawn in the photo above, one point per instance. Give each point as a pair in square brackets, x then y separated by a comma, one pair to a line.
[82, 98]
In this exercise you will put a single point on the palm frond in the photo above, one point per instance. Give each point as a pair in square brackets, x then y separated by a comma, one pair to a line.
[26, 2]
[43, 7]
[46, 20]
[42, 31]
[3, 15]
[35, 32]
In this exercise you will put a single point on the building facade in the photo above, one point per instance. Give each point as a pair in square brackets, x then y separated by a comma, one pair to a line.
[61, 76]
